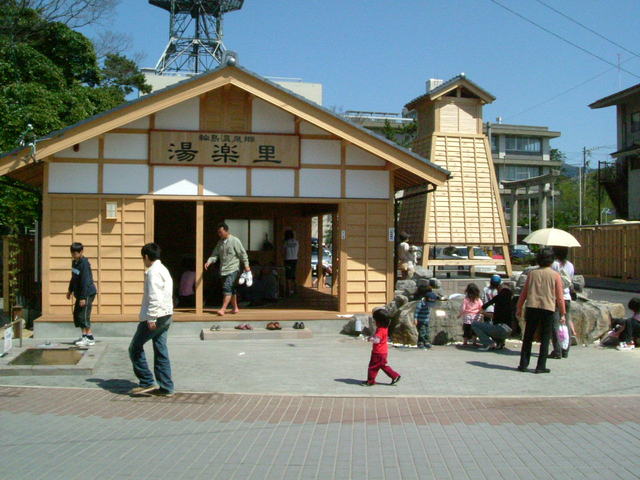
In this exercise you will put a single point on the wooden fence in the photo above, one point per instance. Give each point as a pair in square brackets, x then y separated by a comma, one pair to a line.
[608, 251]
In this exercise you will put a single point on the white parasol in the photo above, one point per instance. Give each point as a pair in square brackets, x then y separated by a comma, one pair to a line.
[552, 237]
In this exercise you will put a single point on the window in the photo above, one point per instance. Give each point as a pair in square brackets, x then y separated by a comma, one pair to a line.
[516, 172]
[526, 145]
[494, 143]
[635, 121]
[252, 233]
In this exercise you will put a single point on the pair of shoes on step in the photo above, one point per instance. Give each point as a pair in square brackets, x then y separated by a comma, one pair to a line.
[243, 326]
[215, 328]
[274, 326]
[298, 325]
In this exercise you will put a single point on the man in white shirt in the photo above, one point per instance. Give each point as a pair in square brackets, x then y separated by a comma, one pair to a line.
[155, 319]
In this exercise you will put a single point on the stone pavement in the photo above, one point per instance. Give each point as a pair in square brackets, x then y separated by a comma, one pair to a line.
[292, 410]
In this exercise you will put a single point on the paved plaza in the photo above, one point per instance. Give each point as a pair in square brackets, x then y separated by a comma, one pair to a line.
[292, 409]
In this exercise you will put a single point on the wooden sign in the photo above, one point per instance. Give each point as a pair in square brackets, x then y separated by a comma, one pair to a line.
[223, 149]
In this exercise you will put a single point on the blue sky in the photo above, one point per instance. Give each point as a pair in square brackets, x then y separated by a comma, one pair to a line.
[377, 54]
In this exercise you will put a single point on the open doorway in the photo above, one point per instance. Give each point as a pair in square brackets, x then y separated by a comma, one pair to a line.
[175, 232]
[262, 228]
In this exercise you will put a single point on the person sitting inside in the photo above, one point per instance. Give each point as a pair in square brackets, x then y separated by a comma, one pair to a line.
[187, 290]
[629, 333]
[264, 289]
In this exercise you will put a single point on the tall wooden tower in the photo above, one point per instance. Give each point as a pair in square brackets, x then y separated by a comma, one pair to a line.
[465, 211]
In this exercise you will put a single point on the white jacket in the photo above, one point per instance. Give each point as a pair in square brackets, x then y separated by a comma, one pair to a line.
[157, 300]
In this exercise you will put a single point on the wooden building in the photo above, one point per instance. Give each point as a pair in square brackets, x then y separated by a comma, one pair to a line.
[225, 145]
[465, 211]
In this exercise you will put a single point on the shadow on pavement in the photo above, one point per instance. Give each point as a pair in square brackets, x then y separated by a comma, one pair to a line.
[349, 381]
[114, 385]
[492, 366]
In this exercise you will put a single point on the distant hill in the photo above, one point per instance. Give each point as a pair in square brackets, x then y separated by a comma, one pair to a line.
[573, 172]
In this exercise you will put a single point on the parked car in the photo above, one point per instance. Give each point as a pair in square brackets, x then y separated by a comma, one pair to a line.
[459, 253]
[326, 259]
[520, 251]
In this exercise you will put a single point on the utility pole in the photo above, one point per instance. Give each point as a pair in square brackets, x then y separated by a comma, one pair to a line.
[579, 195]
[584, 179]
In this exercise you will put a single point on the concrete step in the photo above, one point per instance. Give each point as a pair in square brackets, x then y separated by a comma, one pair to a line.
[256, 334]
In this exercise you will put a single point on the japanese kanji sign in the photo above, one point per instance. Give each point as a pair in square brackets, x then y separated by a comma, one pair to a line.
[224, 149]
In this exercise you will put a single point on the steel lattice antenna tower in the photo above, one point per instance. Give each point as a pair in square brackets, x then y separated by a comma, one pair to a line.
[195, 34]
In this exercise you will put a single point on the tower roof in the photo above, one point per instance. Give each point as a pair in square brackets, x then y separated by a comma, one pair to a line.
[460, 80]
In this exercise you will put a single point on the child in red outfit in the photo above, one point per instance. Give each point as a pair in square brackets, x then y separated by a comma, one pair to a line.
[380, 350]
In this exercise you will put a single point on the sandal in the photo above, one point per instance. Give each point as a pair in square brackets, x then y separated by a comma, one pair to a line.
[248, 327]
[270, 326]
[276, 326]
[240, 326]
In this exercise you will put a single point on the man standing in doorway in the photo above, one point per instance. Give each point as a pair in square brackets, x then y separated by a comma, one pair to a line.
[231, 253]
[155, 319]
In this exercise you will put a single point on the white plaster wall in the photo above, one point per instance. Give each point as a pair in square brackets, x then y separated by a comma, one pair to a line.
[126, 146]
[307, 128]
[225, 181]
[266, 118]
[367, 184]
[183, 116]
[140, 123]
[117, 178]
[175, 180]
[320, 151]
[357, 156]
[88, 149]
[320, 182]
[73, 178]
[272, 182]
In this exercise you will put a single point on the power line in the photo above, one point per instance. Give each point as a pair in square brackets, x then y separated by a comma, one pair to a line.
[560, 37]
[587, 28]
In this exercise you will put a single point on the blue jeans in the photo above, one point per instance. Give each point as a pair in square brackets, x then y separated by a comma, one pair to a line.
[161, 364]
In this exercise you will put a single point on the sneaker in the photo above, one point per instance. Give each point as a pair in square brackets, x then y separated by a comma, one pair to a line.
[301, 326]
[427, 346]
[626, 347]
[90, 341]
[241, 280]
[85, 342]
[542, 370]
[79, 341]
[248, 278]
[142, 390]
[554, 355]
[396, 380]
[486, 348]
[366, 384]
[161, 392]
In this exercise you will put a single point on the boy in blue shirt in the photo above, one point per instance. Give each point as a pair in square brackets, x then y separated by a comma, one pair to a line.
[423, 311]
[82, 287]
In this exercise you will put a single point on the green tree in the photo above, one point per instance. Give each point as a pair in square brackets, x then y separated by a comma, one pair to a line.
[49, 78]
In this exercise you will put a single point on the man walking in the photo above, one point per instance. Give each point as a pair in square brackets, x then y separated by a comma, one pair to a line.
[155, 319]
[231, 253]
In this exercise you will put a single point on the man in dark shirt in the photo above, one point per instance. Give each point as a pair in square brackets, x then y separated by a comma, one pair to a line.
[493, 335]
[82, 287]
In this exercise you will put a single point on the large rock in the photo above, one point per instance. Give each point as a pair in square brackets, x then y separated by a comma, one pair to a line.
[407, 287]
[591, 318]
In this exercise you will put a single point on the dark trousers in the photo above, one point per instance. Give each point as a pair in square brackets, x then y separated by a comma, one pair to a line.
[82, 315]
[423, 333]
[379, 362]
[631, 330]
[536, 318]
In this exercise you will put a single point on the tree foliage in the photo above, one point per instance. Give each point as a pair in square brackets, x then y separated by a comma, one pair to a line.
[50, 77]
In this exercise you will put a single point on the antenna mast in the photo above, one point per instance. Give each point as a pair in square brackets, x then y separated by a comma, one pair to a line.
[195, 34]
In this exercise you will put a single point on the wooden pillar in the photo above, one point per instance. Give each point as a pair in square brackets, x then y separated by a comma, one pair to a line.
[341, 235]
[199, 256]
[513, 238]
[320, 268]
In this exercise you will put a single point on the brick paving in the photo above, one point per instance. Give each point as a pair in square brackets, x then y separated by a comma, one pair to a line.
[67, 433]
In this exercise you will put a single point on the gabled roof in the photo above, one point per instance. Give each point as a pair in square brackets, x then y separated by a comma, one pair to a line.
[460, 80]
[245, 80]
[616, 98]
